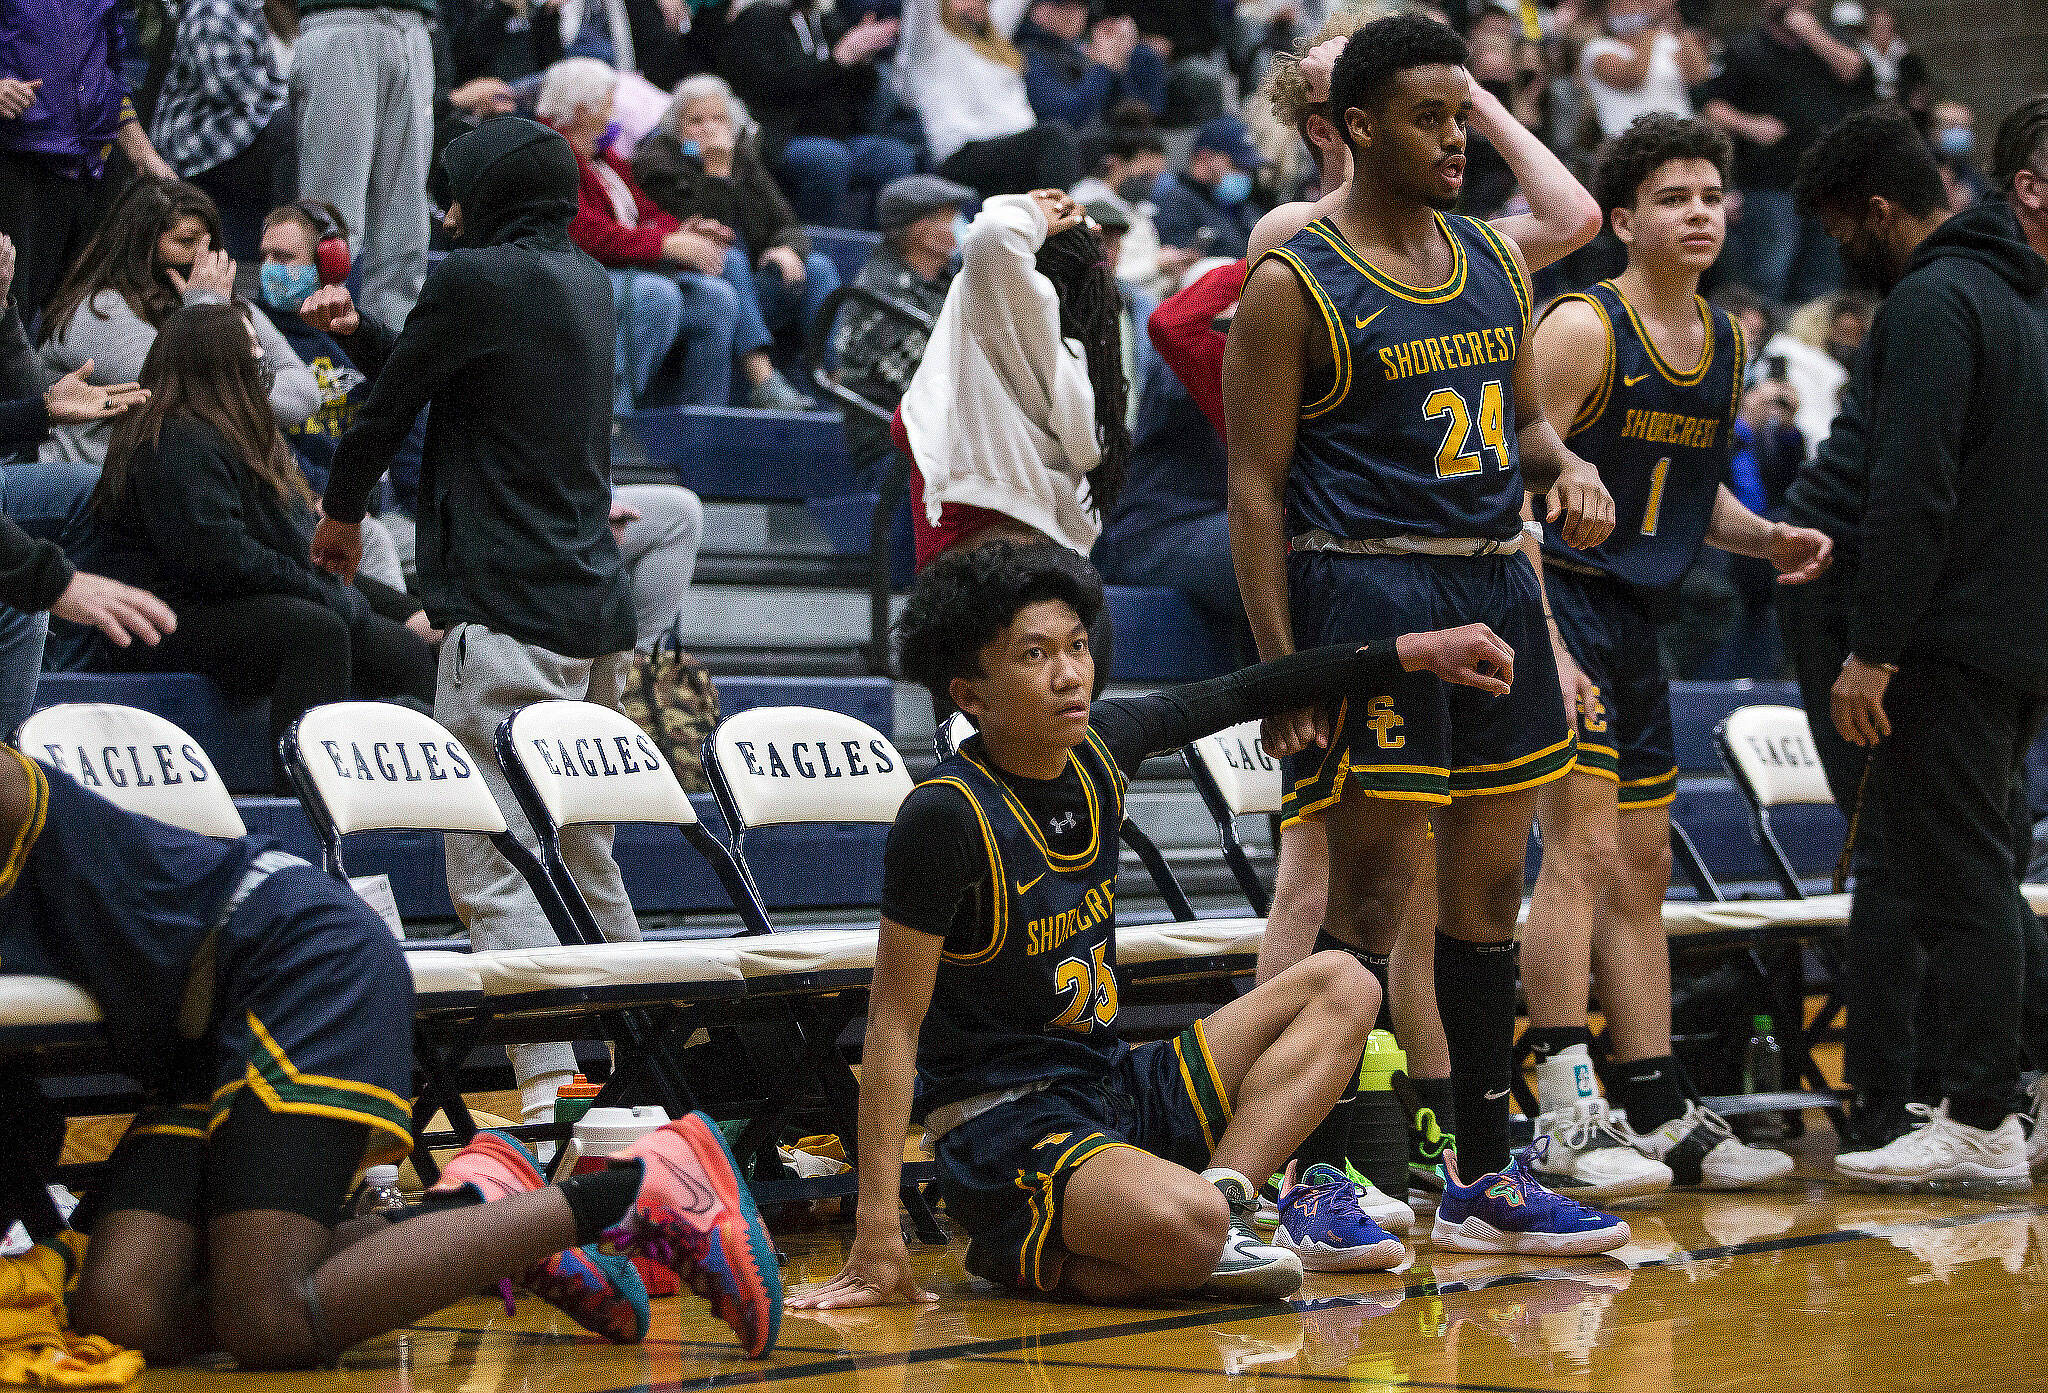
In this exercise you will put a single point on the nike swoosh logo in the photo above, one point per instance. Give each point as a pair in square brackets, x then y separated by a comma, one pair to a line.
[1632, 381]
[695, 1197]
[1371, 317]
[1494, 1095]
[1024, 886]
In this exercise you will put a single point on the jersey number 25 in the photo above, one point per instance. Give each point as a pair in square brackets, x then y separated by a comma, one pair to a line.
[1093, 984]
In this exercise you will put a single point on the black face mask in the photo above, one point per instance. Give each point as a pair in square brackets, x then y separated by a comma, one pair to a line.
[1135, 189]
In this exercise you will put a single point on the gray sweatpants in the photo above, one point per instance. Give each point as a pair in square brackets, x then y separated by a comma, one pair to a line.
[362, 92]
[485, 677]
[660, 553]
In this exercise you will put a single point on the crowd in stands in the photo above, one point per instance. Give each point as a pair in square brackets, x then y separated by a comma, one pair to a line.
[170, 166]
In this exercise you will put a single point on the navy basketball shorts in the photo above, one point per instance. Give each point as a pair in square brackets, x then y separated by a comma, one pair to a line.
[1419, 738]
[1627, 737]
[310, 1038]
[1004, 1173]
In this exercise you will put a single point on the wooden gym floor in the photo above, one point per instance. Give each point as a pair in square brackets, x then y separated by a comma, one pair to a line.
[1808, 1286]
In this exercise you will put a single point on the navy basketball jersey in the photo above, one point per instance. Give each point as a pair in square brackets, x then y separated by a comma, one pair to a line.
[1026, 988]
[1661, 440]
[1412, 431]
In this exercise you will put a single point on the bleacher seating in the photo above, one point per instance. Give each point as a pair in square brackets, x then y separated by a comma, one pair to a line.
[849, 249]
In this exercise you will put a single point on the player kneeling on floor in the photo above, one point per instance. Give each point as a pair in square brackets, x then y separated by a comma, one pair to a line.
[267, 1012]
[1076, 1163]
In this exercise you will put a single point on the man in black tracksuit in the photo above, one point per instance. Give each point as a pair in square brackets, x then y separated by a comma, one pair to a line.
[1945, 679]
[511, 344]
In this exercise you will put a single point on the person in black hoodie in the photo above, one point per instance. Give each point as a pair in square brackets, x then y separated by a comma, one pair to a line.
[1946, 677]
[201, 503]
[511, 345]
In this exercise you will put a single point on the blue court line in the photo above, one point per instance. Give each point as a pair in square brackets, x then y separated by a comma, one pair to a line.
[1228, 1315]
[1277, 1373]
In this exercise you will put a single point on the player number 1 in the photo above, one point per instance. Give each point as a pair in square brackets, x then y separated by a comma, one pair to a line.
[1453, 456]
[1656, 503]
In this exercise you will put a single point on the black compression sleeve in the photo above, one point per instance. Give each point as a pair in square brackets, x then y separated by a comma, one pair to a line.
[1136, 728]
[934, 856]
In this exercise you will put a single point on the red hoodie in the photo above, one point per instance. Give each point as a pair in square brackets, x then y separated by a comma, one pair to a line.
[1183, 329]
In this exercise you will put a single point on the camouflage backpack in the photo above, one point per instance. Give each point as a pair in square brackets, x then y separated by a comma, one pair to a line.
[671, 697]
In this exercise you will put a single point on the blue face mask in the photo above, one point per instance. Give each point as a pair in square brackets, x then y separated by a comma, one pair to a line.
[1234, 187]
[1955, 141]
[611, 135]
[286, 287]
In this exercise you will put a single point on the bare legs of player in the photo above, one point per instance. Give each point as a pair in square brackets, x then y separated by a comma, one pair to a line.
[1411, 982]
[1136, 1225]
[1301, 882]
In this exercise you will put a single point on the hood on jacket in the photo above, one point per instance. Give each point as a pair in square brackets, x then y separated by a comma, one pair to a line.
[1988, 233]
[513, 178]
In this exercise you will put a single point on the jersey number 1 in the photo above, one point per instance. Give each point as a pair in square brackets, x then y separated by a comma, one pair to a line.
[1656, 503]
[1453, 457]
[1093, 982]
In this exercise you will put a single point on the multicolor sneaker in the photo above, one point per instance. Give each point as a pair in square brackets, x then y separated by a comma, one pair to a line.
[694, 1216]
[1249, 1268]
[602, 1294]
[1383, 1209]
[1510, 1212]
[1701, 1149]
[1321, 1223]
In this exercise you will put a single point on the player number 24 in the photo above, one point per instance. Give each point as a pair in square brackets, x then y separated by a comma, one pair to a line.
[1457, 455]
[1093, 984]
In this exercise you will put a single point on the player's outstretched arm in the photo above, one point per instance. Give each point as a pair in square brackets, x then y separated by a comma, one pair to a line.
[877, 1270]
[1263, 366]
[1569, 488]
[1798, 554]
[1562, 216]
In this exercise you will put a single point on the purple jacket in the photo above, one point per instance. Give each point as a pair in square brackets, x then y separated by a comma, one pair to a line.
[72, 46]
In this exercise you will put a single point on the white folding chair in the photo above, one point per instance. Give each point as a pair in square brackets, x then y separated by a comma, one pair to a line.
[782, 766]
[1237, 778]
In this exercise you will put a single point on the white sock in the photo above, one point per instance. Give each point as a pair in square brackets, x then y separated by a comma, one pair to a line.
[537, 1096]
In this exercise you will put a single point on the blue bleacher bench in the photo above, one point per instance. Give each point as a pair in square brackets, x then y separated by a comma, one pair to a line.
[756, 456]
[1160, 637]
[848, 248]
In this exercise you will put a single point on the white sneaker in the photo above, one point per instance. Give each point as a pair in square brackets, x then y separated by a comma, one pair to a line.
[1592, 1157]
[1395, 1216]
[1701, 1149]
[1940, 1151]
[2037, 1138]
[1248, 1267]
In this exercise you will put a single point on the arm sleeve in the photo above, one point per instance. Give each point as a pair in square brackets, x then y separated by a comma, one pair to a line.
[1136, 728]
[933, 859]
[295, 394]
[369, 347]
[1925, 371]
[611, 242]
[433, 348]
[32, 573]
[1184, 331]
[191, 511]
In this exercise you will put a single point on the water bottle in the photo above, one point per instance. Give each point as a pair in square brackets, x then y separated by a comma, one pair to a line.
[380, 1192]
[573, 1099]
[1763, 1071]
[1378, 1139]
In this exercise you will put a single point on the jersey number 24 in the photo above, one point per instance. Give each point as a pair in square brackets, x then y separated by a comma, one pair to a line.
[1457, 455]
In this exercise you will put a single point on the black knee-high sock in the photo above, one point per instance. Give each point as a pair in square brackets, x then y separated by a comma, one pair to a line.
[1649, 1091]
[1329, 1143]
[1475, 995]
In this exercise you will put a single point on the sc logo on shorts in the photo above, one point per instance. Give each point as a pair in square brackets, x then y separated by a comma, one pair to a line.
[1384, 724]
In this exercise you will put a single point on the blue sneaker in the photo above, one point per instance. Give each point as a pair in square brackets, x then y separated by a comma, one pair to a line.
[1511, 1212]
[1321, 1223]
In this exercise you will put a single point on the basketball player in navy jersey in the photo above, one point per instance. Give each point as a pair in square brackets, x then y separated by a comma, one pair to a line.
[1641, 377]
[1378, 465]
[1076, 1163]
[267, 1012]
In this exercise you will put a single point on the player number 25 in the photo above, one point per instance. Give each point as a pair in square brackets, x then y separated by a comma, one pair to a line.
[1455, 455]
[1093, 984]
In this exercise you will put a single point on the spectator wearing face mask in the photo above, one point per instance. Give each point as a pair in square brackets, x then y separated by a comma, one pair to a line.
[879, 353]
[1206, 206]
[1952, 131]
[1646, 58]
[1127, 162]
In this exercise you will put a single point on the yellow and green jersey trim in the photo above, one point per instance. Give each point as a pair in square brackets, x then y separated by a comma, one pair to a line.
[281, 1086]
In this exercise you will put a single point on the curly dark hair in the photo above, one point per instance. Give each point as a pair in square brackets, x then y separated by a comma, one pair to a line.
[965, 598]
[1652, 141]
[1091, 310]
[1383, 49]
[1878, 153]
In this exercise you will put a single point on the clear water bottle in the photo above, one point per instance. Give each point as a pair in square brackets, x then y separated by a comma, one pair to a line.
[1763, 1071]
[380, 1191]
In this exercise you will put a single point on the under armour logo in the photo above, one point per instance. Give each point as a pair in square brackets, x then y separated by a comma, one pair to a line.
[1065, 822]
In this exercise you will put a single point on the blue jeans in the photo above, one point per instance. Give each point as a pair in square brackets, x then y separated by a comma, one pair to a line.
[1191, 556]
[778, 304]
[655, 310]
[833, 182]
[750, 331]
[48, 502]
[1783, 255]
